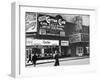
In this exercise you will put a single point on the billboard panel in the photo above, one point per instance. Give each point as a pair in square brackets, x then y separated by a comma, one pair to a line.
[75, 38]
[31, 22]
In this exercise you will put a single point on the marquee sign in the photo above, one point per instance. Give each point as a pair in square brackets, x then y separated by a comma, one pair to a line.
[52, 24]
[32, 42]
[49, 20]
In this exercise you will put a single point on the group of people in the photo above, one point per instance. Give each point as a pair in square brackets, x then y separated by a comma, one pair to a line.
[55, 57]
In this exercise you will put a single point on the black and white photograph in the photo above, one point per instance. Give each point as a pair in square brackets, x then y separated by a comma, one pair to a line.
[56, 39]
[51, 40]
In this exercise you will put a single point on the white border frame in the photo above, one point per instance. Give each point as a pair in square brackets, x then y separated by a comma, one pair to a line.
[18, 36]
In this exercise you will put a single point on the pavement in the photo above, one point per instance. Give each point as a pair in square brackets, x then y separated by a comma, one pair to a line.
[40, 62]
[75, 62]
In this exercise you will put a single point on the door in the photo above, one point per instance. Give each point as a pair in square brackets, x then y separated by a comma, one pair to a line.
[79, 51]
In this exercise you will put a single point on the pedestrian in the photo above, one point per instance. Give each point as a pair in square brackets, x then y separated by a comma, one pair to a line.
[34, 59]
[56, 57]
[29, 58]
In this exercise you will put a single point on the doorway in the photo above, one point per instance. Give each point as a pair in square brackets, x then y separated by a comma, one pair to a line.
[79, 51]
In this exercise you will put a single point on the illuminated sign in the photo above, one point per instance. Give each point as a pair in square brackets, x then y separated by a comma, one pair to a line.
[52, 25]
[46, 42]
[32, 42]
[49, 20]
[64, 43]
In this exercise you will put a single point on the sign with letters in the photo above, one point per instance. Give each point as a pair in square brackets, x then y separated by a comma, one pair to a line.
[32, 42]
[51, 24]
[64, 43]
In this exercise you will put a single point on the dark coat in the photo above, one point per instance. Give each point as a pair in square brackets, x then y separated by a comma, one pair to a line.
[34, 58]
[29, 57]
[56, 60]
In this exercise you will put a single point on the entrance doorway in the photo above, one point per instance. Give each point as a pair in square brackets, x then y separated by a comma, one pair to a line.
[79, 51]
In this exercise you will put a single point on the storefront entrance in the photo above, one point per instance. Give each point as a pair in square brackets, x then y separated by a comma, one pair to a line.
[41, 51]
[42, 48]
[79, 51]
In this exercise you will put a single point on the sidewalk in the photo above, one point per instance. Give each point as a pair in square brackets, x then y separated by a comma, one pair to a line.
[60, 59]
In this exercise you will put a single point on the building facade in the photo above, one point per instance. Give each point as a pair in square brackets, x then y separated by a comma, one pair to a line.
[78, 37]
[45, 34]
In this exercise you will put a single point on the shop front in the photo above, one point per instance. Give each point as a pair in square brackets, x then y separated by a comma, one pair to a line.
[79, 49]
[42, 48]
[79, 44]
[64, 48]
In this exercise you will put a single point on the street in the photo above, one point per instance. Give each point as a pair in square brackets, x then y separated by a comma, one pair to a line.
[65, 63]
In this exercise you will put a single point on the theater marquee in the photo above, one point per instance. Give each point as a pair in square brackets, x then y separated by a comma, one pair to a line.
[33, 42]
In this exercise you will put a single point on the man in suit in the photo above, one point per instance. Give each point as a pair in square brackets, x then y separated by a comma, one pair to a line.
[56, 57]
[34, 59]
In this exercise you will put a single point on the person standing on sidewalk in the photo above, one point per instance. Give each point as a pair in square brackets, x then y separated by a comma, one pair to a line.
[29, 58]
[56, 57]
[34, 59]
